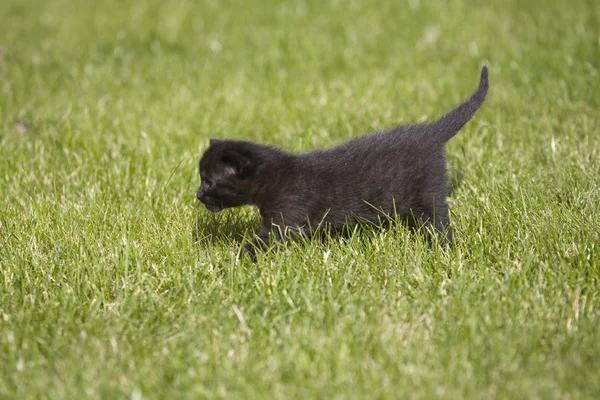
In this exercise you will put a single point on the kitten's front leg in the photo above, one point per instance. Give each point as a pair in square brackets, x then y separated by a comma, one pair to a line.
[273, 232]
[260, 242]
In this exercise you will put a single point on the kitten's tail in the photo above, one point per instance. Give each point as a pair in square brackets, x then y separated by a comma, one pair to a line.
[447, 126]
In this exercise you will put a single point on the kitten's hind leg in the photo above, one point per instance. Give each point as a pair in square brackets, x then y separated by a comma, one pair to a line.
[445, 230]
[437, 221]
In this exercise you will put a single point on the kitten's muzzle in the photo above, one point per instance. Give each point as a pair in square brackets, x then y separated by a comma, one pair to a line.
[214, 207]
[210, 204]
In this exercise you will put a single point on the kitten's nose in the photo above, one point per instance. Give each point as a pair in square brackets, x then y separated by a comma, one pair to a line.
[200, 194]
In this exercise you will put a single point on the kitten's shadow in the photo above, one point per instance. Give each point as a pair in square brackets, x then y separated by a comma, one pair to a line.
[225, 226]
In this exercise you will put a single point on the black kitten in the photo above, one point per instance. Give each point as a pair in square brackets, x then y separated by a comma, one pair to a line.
[397, 172]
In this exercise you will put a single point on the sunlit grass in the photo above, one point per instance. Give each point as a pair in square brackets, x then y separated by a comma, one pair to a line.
[115, 282]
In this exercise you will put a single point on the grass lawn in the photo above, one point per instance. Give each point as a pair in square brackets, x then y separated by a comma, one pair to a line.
[116, 283]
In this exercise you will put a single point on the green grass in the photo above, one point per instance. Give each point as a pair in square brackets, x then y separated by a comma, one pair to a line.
[116, 283]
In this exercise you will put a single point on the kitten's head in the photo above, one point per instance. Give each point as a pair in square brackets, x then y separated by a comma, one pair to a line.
[228, 169]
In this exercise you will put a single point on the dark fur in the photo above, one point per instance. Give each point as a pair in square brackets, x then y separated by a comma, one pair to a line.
[397, 172]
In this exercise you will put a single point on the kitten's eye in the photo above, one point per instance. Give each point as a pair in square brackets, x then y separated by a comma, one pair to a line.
[208, 183]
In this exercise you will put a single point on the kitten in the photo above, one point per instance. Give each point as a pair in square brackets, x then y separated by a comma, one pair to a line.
[401, 171]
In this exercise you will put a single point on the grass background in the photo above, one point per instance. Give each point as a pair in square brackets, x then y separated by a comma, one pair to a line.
[115, 283]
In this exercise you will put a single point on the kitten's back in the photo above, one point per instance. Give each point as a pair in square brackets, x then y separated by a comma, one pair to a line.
[406, 163]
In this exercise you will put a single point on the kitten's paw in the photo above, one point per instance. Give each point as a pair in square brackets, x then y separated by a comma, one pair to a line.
[257, 244]
[250, 250]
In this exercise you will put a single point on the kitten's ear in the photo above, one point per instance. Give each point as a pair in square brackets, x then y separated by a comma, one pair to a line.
[212, 142]
[243, 164]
